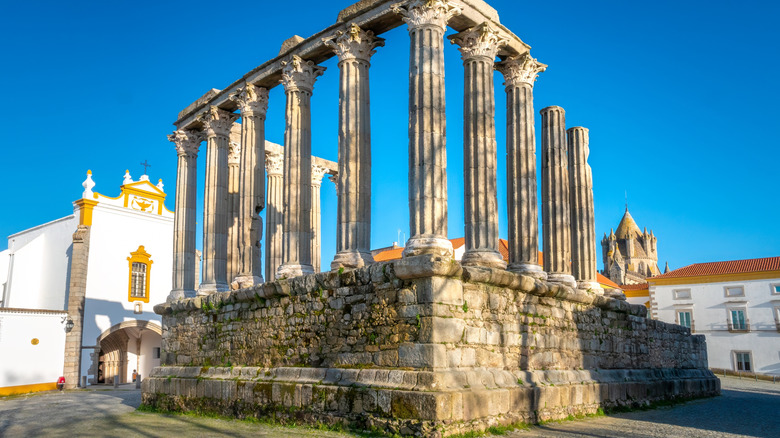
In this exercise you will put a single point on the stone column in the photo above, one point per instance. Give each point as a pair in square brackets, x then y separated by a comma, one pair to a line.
[427, 22]
[253, 102]
[187, 145]
[76, 302]
[555, 197]
[478, 48]
[274, 165]
[583, 226]
[522, 209]
[233, 204]
[353, 233]
[217, 125]
[298, 77]
[317, 172]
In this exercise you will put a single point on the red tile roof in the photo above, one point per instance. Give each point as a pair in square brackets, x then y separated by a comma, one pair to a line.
[729, 267]
[640, 286]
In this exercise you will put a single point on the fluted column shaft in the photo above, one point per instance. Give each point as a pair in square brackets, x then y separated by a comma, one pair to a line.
[317, 173]
[522, 207]
[233, 206]
[478, 47]
[298, 78]
[353, 233]
[253, 102]
[274, 164]
[184, 263]
[217, 124]
[583, 226]
[555, 197]
[427, 22]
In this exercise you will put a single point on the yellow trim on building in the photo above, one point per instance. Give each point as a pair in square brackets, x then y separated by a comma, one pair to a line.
[24, 389]
[85, 211]
[637, 293]
[717, 278]
[139, 256]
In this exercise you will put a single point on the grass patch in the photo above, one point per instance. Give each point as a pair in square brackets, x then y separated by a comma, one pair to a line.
[495, 430]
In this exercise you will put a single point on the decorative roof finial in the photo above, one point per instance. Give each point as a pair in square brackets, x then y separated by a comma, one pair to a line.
[88, 184]
[160, 185]
[128, 179]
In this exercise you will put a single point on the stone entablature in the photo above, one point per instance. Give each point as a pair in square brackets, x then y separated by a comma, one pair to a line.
[418, 337]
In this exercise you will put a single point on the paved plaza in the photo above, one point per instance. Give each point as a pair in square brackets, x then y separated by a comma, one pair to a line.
[746, 409]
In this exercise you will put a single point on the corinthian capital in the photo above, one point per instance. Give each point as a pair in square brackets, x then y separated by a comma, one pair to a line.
[521, 69]
[252, 100]
[422, 13]
[355, 43]
[217, 122]
[317, 172]
[234, 153]
[479, 41]
[274, 164]
[187, 142]
[298, 74]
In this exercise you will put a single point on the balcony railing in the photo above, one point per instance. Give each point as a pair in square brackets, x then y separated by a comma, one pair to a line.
[745, 327]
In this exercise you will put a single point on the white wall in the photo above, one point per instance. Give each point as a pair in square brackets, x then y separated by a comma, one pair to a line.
[5, 256]
[149, 340]
[23, 363]
[40, 260]
[710, 316]
[115, 233]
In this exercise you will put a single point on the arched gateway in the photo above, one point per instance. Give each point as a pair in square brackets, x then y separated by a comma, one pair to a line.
[127, 346]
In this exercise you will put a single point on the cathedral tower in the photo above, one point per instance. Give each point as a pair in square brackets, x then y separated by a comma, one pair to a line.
[630, 255]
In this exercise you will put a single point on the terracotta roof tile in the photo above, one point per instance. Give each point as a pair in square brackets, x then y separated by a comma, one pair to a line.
[640, 286]
[728, 267]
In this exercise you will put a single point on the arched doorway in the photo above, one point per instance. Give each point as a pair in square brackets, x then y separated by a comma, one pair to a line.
[126, 347]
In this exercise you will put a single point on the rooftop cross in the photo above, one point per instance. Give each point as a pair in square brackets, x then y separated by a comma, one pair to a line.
[145, 164]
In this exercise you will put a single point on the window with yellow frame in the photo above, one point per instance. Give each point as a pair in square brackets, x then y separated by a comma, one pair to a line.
[140, 264]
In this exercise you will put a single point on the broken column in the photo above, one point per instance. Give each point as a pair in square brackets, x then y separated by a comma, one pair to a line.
[317, 172]
[555, 198]
[522, 209]
[353, 233]
[478, 48]
[298, 77]
[583, 227]
[427, 21]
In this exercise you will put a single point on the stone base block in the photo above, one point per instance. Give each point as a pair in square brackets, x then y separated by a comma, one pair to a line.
[422, 403]
[351, 259]
[418, 245]
[529, 269]
[245, 281]
[291, 271]
[566, 279]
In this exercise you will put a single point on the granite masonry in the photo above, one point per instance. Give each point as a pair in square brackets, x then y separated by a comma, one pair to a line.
[423, 345]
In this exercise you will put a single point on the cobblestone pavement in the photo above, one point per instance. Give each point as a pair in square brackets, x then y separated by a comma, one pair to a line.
[746, 408]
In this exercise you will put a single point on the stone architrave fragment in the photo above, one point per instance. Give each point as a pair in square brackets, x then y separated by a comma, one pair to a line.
[555, 197]
[187, 144]
[354, 49]
[478, 48]
[522, 209]
[298, 77]
[217, 124]
[253, 102]
[427, 21]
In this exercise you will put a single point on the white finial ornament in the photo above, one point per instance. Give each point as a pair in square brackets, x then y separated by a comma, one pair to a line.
[88, 184]
[128, 179]
[144, 178]
[160, 185]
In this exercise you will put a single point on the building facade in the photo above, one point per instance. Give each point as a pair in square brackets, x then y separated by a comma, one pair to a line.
[630, 255]
[735, 304]
[94, 276]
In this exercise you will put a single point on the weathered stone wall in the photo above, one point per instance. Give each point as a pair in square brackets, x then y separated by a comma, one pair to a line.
[323, 320]
[420, 345]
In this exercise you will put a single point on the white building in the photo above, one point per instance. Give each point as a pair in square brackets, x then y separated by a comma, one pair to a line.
[735, 304]
[98, 272]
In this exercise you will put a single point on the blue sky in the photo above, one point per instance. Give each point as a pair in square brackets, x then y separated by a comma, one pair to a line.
[680, 99]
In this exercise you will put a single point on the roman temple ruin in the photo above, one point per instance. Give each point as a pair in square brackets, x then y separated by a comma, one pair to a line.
[424, 345]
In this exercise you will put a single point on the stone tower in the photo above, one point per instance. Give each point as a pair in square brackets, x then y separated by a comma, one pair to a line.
[630, 255]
